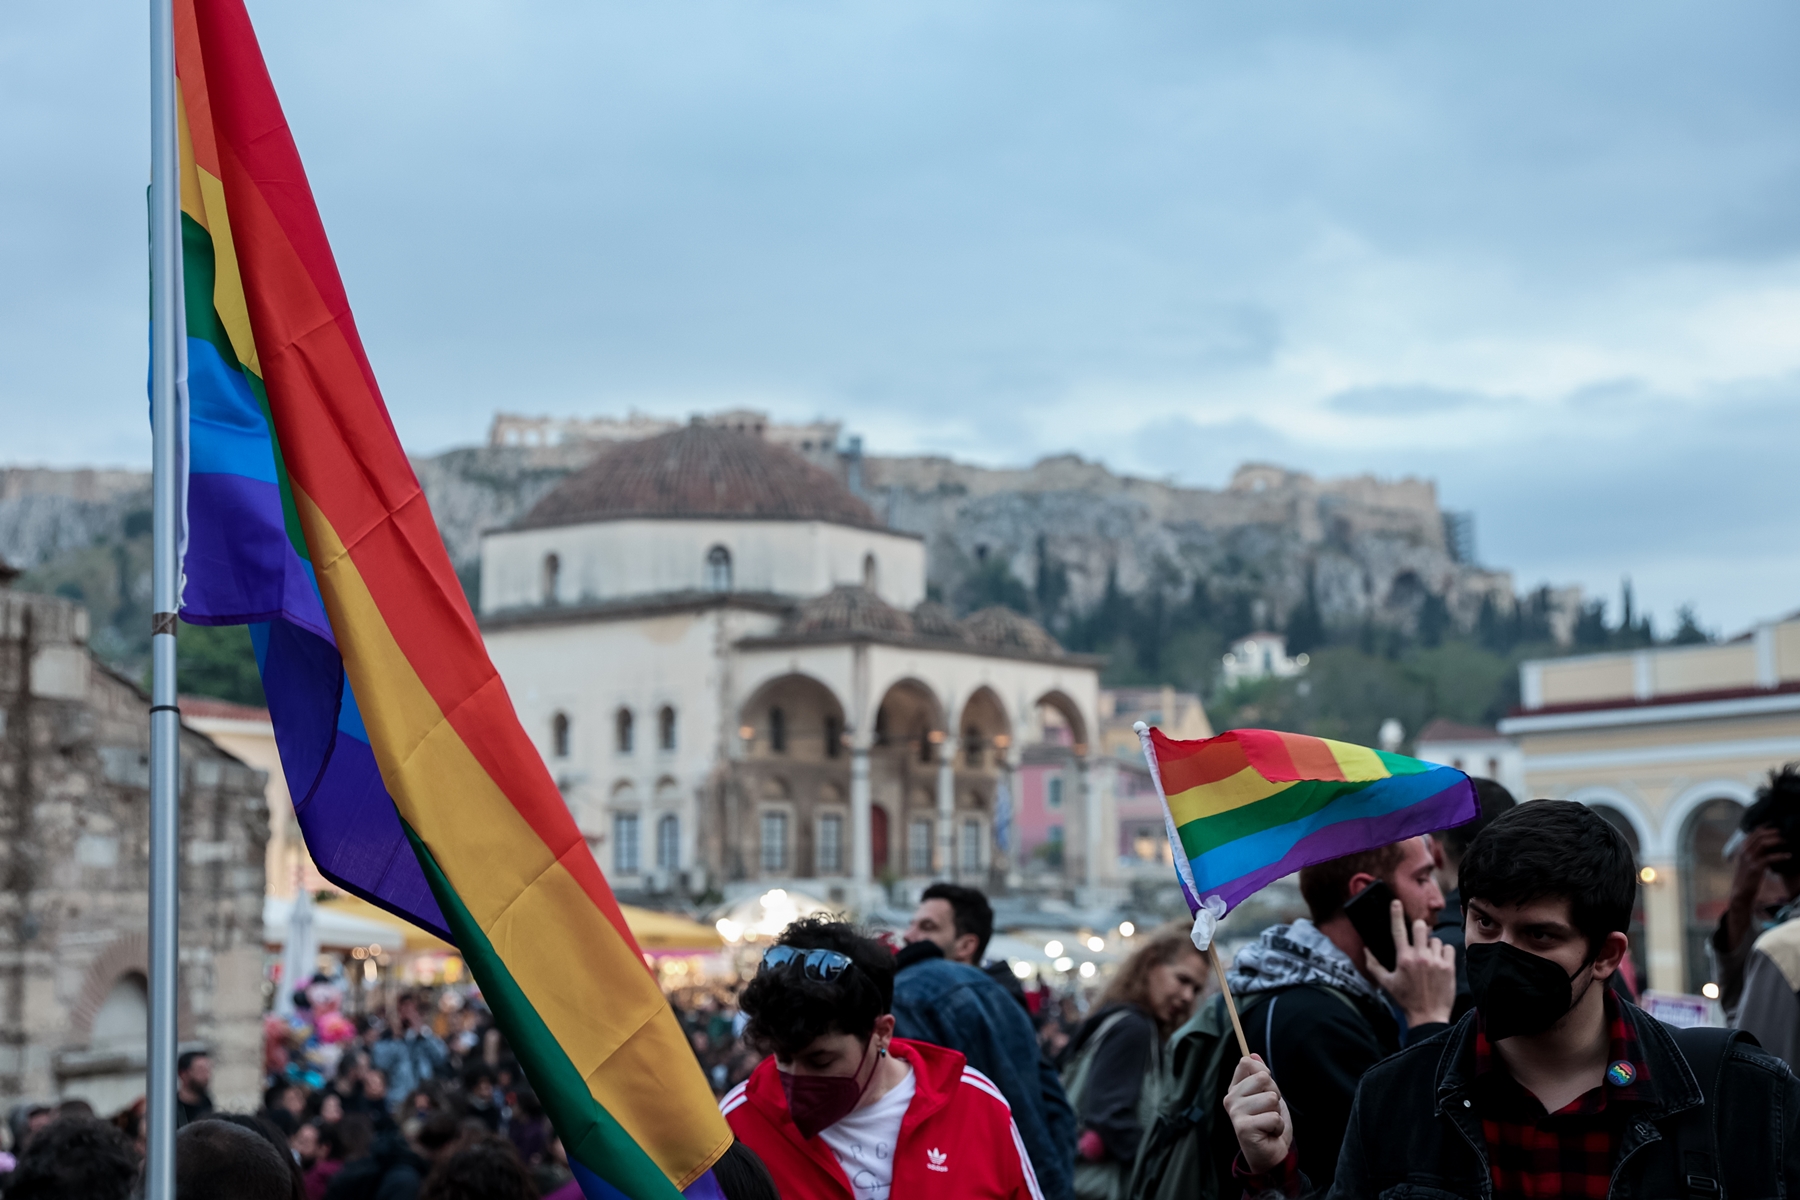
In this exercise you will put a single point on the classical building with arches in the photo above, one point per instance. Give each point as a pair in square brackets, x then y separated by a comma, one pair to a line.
[1669, 744]
[74, 872]
[733, 671]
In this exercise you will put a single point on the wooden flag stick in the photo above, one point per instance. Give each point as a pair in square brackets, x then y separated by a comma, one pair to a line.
[1212, 952]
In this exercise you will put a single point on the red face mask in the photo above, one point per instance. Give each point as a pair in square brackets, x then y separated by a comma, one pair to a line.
[817, 1102]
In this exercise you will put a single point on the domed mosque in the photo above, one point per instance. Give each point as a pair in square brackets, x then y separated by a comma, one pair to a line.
[731, 667]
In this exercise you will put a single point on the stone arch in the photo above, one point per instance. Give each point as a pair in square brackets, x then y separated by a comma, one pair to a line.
[1619, 802]
[1703, 818]
[984, 730]
[811, 719]
[1674, 822]
[126, 955]
[122, 1022]
[908, 715]
[1059, 702]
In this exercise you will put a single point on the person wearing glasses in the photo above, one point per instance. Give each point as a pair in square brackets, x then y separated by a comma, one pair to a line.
[841, 1109]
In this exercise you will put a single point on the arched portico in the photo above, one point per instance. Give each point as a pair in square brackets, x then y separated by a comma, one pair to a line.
[909, 744]
[794, 717]
[984, 731]
[1708, 816]
[792, 769]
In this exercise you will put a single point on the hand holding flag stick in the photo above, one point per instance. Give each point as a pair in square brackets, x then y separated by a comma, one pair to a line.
[1250, 806]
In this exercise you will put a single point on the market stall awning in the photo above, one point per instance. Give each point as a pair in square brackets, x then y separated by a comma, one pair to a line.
[333, 927]
[661, 931]
[410, 937]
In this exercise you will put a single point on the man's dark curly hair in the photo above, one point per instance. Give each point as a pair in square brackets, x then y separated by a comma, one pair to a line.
[1551, 848]
[485, 1168]
[789, 1011]
[75, 1156]
[1778, 804]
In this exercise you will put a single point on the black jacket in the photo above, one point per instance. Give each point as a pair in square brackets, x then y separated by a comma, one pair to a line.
[1414, 1134]
[1319, 1042]
[1121, 1064]
[391, 1171]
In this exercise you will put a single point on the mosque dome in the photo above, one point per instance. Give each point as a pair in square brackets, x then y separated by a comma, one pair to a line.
[700, 470]
[1004, 629]
[935, 621]
[849, 609]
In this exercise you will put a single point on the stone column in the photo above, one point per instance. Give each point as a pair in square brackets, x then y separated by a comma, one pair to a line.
[1663, 929]
[1009, 857]
[946, 810]
[861, 824]
[1090, 821]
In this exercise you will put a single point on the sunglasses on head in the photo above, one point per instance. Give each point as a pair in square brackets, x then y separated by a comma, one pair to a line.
[822, 965]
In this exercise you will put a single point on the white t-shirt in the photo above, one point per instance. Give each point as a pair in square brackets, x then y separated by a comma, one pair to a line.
[864, 1141]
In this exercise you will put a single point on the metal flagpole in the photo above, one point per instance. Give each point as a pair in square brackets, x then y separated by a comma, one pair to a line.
[166, 492]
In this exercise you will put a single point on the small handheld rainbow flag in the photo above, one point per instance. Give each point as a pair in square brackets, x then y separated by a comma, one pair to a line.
[413, 781]
[1247, 807]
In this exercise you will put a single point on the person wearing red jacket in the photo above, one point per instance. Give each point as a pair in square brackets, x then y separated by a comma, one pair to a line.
[842, 1109]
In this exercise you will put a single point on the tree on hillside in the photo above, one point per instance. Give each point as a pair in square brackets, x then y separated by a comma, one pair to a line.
[218, 661]
[1688, 631]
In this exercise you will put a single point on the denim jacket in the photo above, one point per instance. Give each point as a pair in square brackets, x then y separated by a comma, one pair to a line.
[959, 1006]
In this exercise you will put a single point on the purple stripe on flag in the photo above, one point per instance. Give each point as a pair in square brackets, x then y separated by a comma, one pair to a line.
[240, 565]
[344, 810]
[1352, 837]
[595, 1188]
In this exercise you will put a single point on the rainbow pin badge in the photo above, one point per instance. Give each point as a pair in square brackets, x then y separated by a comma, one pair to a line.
[1621, 1073]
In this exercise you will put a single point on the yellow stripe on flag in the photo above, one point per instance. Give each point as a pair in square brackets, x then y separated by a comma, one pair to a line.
[1211, 799]
[600, 1005]
[1358, 763]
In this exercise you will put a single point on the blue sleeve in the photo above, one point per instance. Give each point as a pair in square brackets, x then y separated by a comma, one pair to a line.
[987, 1025]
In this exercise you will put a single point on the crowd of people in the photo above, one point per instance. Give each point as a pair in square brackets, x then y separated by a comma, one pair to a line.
[1499, 1056]
[419, 1104]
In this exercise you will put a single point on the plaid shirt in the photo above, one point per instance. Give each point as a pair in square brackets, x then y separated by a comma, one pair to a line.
[1534, 1154]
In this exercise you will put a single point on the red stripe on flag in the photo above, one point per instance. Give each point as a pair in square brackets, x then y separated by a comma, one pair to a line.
[1268, 753]
[1312, 758]
[1188, 764]
[341, 448]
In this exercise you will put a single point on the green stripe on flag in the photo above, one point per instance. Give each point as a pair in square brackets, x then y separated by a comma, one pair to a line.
[1400, 764]
[1298, 800]
[589, 1133]
[199, 271]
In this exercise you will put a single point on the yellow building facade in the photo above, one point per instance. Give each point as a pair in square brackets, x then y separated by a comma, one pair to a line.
[1669, 744]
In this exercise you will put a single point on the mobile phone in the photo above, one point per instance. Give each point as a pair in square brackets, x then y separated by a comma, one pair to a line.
[1369, 915]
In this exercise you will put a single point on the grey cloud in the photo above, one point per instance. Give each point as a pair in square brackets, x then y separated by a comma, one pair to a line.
[947, 220]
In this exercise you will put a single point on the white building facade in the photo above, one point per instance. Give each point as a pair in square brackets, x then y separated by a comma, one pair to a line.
[732, 671]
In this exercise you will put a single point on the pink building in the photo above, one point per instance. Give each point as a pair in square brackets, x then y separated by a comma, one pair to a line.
[1047, 810]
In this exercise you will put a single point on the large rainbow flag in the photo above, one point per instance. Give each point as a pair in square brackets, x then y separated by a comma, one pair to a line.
[1250, 806]
[413, 782]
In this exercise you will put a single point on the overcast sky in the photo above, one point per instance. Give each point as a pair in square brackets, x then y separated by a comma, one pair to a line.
[1546, 254]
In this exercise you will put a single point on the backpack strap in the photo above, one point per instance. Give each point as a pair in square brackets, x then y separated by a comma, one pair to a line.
[1695, 1131]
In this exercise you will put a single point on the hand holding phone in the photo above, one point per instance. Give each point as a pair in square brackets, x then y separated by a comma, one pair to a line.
[1416, 970]
[1369, 915]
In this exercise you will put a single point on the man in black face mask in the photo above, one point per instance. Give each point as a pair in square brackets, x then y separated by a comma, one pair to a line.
[1553, 1085]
